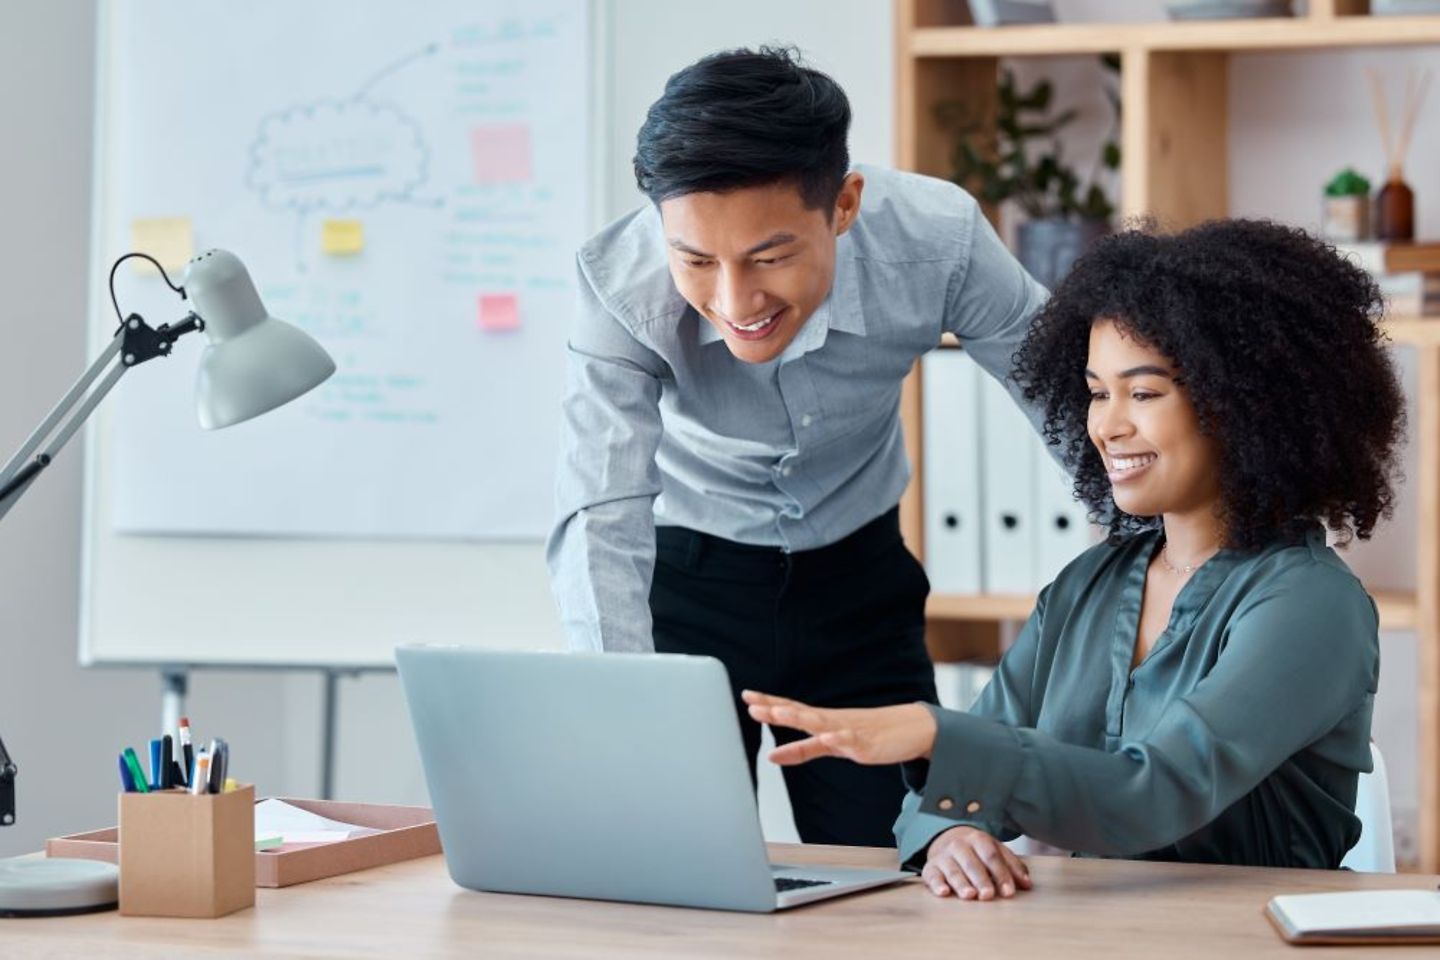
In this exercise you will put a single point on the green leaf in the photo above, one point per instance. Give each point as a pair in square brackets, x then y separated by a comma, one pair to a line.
[1111, 155]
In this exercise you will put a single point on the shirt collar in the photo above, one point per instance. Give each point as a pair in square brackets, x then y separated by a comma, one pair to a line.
[840, 310]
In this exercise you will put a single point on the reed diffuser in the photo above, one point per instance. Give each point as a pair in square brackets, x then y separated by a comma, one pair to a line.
[1395, 204]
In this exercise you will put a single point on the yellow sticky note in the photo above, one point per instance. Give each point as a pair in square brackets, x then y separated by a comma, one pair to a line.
[171, 240]
[342, 237]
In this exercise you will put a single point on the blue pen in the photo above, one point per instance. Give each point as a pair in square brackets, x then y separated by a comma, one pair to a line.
[127, 782]
[155, 764]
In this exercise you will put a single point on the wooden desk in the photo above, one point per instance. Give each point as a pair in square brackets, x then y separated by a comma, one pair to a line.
[1078, 909]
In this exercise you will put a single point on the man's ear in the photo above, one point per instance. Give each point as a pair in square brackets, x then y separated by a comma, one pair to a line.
[847, 204]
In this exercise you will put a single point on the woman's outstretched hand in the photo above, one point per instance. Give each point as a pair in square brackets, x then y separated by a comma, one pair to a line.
[875, 735]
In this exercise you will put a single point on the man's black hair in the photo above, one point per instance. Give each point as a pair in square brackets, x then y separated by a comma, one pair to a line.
[746, 118]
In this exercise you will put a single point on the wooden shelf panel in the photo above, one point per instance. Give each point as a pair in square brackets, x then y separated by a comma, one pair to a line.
[1414, 331]
[1398, 611]
[1235, 36]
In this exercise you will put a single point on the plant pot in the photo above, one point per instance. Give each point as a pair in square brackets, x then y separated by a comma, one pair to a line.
[1049, 247]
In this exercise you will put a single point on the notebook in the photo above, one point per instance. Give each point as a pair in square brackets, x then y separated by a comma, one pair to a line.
[1359, 916]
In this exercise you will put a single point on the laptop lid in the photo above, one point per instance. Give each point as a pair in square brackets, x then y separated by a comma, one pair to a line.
[607, 776]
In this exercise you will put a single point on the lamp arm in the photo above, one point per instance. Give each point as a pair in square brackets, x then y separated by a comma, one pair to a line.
[134, 343]
[7, 788]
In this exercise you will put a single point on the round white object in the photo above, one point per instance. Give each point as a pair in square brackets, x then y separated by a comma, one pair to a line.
[35, 886]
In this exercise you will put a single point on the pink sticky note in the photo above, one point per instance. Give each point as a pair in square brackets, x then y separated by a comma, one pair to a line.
[499, 311]
[501, 153]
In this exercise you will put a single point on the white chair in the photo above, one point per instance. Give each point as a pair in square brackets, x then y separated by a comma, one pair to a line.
[1375, 852]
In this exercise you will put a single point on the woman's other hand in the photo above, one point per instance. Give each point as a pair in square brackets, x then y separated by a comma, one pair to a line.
[970, 864]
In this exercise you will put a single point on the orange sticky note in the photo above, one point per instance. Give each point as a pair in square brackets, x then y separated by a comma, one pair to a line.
[499, 311]
[501, 153]
[342, 237]
[171, 240]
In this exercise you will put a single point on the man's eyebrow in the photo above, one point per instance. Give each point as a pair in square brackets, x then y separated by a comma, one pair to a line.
[776, 240]
[1145, 370]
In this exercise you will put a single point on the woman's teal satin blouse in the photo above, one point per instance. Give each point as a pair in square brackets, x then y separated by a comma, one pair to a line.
[1237, 740]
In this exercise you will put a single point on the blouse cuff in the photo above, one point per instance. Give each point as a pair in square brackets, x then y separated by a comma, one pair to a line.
[973, 768]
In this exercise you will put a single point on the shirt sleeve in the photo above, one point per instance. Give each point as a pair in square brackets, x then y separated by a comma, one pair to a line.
[601, 551]
[1007, 701]
[1300, 658]
[991, 305]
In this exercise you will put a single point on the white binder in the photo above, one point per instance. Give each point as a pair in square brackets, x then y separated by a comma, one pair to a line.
[1008, 482]
[950, 420]
[1062, 531]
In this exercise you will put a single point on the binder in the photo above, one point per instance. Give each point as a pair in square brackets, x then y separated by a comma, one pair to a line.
[1008, 482]
[950, 422]
[1062, 531]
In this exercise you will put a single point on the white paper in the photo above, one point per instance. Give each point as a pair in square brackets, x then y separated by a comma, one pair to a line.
[276, 818]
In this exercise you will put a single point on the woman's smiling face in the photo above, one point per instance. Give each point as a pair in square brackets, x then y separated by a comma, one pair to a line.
[1146, 429]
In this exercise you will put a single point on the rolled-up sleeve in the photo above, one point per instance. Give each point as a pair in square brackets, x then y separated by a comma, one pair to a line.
[1301, 656]
[601, 551]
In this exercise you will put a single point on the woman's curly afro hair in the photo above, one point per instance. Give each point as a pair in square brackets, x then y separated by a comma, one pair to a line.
[1277, 344]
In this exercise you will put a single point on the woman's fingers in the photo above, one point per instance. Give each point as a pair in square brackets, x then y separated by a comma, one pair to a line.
[935, 880]
[1018, 869]
[802, 751]
[797, 716]
[955, 877]
[990, 854]
[756, 698]
[975, 871]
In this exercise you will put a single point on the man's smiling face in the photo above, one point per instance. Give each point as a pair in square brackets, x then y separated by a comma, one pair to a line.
[755, 262]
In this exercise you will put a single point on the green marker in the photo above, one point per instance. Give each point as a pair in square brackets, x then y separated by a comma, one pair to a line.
[133, 762]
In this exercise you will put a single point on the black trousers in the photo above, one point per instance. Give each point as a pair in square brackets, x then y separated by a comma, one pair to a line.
[840, 626]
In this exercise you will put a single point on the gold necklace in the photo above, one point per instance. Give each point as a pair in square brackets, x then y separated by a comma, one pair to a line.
[1185, 569]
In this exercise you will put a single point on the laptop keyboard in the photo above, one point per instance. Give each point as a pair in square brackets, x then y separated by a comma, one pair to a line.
[786, 884]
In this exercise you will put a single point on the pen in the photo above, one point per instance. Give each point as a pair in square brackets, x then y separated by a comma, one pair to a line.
[155, 764]
[136, 773]
[127, 782]
[167, 761]
[187, 750]
[200, 783]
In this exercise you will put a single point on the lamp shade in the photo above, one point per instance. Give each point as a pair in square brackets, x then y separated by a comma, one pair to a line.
[254, 362]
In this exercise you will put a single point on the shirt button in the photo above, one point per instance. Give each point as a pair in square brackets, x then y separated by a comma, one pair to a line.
[784, 471]
[946, 803]
[806, 420]
[973, 806]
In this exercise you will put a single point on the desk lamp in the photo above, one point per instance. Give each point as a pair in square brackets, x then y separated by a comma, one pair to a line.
[253, 364]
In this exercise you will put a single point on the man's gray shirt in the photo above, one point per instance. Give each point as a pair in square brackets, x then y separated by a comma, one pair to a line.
[663, 425]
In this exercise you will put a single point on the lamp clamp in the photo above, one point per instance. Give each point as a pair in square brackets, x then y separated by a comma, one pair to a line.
[140, 341]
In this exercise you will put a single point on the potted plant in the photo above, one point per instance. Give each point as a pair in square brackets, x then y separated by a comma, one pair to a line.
[1026, 165]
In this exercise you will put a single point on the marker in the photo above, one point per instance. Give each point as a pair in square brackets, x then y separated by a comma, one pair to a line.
[186, 750]
[167, 761]
[219, 760]
[200, 783]
[231, 785]
[137, 775]
[155, 764]
[127, 782]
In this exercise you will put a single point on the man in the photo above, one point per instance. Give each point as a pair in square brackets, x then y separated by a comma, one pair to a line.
[732, 453]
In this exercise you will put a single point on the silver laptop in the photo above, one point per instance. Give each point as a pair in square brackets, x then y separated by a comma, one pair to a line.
[605, 776]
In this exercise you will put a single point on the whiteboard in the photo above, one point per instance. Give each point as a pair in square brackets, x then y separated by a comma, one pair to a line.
[408, 183]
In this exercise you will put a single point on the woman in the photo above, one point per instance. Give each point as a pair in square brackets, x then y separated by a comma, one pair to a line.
[1198, 687]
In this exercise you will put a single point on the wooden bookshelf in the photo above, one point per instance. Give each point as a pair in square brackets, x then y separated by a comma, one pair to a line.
[1174, 142]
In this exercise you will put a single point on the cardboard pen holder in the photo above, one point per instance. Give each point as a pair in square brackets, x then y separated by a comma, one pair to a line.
[187, 855]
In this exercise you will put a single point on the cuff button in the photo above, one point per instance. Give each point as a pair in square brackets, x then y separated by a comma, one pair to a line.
[973, 806]
[946, 803]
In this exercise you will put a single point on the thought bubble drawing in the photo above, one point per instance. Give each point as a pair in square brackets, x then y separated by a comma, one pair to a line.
[339, 156]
